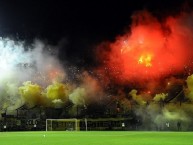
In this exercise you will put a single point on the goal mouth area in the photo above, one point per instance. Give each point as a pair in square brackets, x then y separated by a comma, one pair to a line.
[87, 124]
[62, 124]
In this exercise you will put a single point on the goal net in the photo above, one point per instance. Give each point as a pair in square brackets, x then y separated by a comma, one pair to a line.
[62, 125]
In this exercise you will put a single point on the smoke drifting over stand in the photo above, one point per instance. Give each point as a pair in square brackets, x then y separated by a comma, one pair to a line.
[152, 49]
[32, 75]
[154, 57]
[147, 70]
[20, 64]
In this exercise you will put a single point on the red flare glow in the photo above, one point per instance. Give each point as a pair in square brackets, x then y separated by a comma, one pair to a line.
[151, 50]
[55, 74]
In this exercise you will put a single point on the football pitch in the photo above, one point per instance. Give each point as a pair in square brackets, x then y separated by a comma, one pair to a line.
[96, 138]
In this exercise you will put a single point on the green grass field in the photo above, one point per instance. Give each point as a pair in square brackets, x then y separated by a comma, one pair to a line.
[96, 138]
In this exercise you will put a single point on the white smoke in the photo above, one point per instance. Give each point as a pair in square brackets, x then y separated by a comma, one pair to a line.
[20, 62]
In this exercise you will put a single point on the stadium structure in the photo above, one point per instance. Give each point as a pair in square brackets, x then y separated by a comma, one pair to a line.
[109, 117]
[58, 119]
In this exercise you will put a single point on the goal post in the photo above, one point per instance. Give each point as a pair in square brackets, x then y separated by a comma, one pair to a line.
[62, 124]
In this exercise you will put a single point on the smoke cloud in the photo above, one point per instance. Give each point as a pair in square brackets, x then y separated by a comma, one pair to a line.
[153, 62]
[152, 49]
[26, 70]
[32, 75]
[148, 70]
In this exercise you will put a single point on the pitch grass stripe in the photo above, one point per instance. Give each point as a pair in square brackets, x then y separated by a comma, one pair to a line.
[78, 134]
[96, 138]
[86, 133]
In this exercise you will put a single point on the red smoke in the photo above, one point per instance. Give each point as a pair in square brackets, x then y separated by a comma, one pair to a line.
[152, 49]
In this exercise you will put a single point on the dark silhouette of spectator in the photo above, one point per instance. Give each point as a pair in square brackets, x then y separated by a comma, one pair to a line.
[179, 125]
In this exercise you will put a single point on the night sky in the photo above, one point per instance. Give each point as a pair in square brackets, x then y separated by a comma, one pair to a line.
[79, 25]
